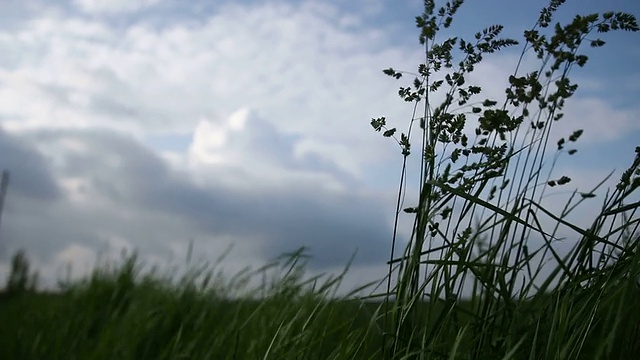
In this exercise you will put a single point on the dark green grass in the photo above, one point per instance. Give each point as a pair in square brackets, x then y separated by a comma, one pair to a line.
[118, 314]
[113, 315]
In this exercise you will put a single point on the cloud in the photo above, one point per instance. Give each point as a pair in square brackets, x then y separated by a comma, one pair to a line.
[30, 174]
[269, 104]
[113, 6]
[253, 148]
[113, 186]
[296, 64]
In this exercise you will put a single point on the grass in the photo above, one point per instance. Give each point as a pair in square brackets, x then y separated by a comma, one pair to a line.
[491, 270]
[118, 313]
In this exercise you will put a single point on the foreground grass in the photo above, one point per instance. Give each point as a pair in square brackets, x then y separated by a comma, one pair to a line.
[496, 268]
[120, 314]
[116, 315]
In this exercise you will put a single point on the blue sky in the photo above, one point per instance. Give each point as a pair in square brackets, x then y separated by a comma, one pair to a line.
[147, 124]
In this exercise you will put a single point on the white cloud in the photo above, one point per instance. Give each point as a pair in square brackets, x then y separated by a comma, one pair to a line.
[113, 6]
[79, 257]
[292, 64]
[209, 140]
[601, 122]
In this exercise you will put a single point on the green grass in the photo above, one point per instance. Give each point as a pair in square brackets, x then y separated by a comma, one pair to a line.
[492, 269]
[119, 314]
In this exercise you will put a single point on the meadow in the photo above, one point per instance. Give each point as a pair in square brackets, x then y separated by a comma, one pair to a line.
[492, 270]
[120, 313]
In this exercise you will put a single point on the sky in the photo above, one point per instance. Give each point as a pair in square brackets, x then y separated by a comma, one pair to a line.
[148, 125]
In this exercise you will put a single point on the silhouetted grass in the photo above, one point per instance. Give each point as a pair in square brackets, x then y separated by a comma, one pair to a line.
[493, 269]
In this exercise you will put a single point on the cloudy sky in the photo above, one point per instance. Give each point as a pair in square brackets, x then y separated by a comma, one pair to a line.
[149, 124]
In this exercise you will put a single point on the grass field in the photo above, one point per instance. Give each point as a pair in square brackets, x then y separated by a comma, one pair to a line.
[119, 313]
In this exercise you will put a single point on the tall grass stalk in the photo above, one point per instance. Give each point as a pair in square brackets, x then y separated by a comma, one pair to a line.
[492, 270]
